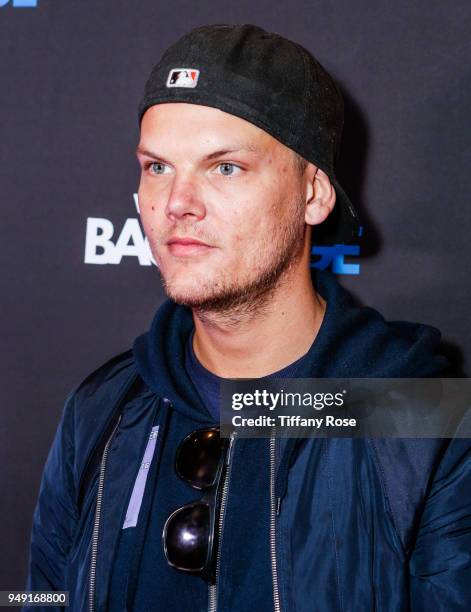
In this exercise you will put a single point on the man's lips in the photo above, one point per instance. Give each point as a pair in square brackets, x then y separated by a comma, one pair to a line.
[187, 246]
[186, 241]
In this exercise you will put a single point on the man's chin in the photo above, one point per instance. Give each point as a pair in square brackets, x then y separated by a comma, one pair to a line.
[229, 299]
[192, 300]
[192, 295]
[199, 297]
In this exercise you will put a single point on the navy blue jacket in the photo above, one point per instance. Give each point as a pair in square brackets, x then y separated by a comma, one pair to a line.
[362, 524]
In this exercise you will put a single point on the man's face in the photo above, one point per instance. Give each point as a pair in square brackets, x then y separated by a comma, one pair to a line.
[221, 204]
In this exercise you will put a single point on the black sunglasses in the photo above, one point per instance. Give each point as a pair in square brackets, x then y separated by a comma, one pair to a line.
[189, 535]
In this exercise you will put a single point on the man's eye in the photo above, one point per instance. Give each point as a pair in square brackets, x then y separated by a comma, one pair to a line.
[228, 169]
[156, 168]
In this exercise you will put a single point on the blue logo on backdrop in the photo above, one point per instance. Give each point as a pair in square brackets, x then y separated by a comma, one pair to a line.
[19, 3]
[333, 256]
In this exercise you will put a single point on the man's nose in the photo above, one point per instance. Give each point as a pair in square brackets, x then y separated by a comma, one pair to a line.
[184, 199]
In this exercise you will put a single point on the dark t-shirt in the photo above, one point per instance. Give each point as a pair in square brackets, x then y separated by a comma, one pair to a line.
[208, 384]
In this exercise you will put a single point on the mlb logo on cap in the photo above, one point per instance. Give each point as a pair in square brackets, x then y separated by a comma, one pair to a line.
[183, 77]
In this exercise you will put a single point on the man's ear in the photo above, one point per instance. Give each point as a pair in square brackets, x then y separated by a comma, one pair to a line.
[320, 195]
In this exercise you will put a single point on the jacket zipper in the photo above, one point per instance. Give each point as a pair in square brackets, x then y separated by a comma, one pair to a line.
[96, 524]
[273, 513]
[212, 595]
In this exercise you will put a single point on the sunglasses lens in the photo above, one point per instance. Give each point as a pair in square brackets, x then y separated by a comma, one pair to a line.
[187, 537]
[198, 457]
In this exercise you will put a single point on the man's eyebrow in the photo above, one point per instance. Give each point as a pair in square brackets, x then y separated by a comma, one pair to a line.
[233, 149]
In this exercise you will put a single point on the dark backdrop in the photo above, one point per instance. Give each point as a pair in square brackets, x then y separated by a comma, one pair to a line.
[71, 75]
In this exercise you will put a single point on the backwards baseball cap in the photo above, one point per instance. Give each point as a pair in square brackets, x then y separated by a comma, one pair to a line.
[270, 81]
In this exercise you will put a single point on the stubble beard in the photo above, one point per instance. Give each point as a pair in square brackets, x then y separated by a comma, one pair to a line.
[232, 300]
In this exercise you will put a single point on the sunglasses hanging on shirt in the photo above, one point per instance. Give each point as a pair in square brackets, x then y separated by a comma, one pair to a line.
[190, 532]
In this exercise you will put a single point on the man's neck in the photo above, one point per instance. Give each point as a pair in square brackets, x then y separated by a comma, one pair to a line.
[264, 342]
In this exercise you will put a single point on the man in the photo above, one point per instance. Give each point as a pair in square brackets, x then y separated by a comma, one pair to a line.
[239, 133]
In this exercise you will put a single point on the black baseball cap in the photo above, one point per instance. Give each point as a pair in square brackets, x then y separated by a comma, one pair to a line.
[270, 81]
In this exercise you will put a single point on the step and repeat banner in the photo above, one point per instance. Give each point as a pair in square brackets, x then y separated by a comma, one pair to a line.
[78, 280]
